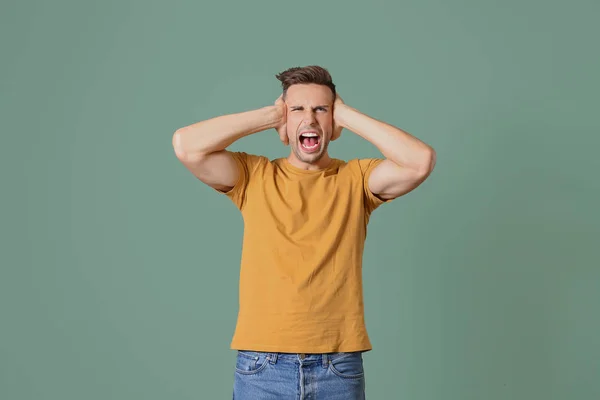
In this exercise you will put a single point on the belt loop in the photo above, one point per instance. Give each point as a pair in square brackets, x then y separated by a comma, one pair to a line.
[273, 358]
[325, 360]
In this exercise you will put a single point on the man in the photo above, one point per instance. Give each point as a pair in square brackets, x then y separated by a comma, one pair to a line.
[300, 331]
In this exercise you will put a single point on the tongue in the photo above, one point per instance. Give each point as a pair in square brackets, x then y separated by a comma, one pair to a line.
[310, 141]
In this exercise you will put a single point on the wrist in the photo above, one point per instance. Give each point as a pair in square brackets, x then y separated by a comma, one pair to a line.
[340, 115]
[273, 116]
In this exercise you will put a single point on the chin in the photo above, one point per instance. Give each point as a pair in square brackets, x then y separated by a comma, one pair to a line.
[308, 158]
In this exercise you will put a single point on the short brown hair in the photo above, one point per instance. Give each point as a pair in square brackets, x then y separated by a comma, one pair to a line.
[309, 74]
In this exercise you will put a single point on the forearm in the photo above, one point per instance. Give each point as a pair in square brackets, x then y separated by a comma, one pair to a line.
[218, 133]
[394, 143]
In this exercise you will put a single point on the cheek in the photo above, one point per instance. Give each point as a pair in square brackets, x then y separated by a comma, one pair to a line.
[294, 119]
[292, 124]
[326, 123]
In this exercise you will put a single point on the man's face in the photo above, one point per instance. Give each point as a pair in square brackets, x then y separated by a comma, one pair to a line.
[309, 120]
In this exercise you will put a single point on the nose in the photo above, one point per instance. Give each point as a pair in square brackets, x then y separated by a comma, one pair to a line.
[309, 118]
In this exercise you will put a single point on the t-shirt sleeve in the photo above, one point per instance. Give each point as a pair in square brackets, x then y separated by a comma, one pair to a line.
[367, 165]
[246, 164]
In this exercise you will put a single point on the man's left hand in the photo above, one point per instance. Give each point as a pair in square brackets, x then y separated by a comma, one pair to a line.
[337, 127]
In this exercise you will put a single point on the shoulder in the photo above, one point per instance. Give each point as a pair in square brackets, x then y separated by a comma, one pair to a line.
[248, 157]
[248, 160]
[362, 166]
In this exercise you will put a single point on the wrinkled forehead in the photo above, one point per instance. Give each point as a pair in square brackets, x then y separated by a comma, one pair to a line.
[308, 95]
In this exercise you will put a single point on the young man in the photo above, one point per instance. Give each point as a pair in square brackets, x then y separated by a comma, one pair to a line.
[300, 331]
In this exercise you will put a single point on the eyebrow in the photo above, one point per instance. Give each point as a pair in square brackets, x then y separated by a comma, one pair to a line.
[321, 106]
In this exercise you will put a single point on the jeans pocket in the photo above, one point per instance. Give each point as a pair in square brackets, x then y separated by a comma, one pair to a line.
[251, 362]
[349, 366]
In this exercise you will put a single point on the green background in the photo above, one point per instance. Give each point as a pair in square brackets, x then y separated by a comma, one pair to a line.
[119, 269]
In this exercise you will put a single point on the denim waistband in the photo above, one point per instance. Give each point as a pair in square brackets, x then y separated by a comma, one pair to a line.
[304, 358]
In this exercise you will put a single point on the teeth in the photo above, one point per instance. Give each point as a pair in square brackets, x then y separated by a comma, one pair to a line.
[309, 134]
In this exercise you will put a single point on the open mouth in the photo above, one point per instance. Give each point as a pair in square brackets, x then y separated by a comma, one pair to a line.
[310, 141]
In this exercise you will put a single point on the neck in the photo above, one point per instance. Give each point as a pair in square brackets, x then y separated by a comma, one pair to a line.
[323, 162]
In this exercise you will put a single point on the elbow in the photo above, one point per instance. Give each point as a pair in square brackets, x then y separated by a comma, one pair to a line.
[178, 145]
[428, 161]
[432, 157]
[182, 149]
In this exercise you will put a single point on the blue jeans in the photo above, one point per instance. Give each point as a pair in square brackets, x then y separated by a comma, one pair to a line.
[284, 376]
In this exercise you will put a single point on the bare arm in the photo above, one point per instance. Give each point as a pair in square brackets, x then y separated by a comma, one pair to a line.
[408, 161]
[201, 146]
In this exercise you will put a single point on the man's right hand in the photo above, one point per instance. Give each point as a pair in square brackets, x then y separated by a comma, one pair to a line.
[281, 127]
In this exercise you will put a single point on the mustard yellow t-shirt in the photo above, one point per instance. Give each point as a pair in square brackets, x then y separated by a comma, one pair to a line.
[301, 267]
